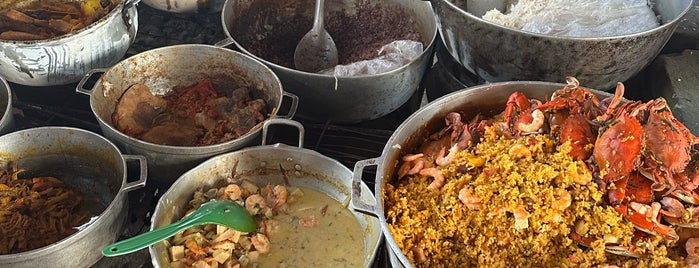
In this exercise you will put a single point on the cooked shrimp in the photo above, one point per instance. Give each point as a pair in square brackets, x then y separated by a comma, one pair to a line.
[692, 248]
[672, 207]
[471, 201]
[310, 221]
[521, 218]
[260, 242]
[256, 204]
[535, 125]
[446, 160]
[280, 195]
[232, 192]
[194, 247]
[438, 181]
[519, 151]
[562, 201]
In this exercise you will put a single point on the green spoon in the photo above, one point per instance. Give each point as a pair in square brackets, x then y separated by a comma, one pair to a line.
[223, 212]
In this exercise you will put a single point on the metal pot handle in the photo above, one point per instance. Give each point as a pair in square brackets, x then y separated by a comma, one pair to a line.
[292, 108]
[125, 13]
[80, 88]
[357, 187]
[282, 121]
[129, 186]
[226, 42]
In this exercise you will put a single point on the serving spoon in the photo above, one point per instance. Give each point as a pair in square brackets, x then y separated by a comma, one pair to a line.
[316, 51]
[222, 212]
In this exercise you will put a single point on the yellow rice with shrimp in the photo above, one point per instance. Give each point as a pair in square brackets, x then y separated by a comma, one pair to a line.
[524, 197]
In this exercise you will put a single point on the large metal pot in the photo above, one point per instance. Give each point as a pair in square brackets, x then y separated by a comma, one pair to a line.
[7, 119]
[65, 59]
[276, 164]
[487, 99]
[87, 162]
[165, 69]
[498, 53]
[341, 99]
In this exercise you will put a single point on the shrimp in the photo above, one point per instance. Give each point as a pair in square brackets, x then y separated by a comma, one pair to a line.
[232, 192]
[692, 248]
[535, 125]
[280, 195]
[562, 201]
[519, 151]
[256, 204]
[471, 201]
[412, 164]
[310, 221]
[446, 160]
[521, 218]
[438, 181]
[194, 247]
[260, 242]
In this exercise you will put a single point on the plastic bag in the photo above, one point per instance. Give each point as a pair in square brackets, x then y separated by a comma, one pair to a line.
[578, 18]
[390, 57]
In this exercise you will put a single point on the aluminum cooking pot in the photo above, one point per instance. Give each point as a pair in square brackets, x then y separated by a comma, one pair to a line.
[7, 119]
[488, 99]
[275, 164]
[65, 59]
[497, 53]
[87, 162]
[340, 99]
[165, 69]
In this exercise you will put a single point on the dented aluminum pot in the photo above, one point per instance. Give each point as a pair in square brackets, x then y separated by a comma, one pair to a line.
[339, 99]
[275, 164]
[497, 53]
[489, 100]
[165, 69]
[65, 59]
[89, 163]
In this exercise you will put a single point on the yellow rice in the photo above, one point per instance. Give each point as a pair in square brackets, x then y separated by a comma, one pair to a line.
[436, 224]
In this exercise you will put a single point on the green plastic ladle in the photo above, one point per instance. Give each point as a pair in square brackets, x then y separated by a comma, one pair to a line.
[222, 212]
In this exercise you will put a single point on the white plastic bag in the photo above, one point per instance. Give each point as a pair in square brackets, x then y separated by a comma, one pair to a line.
[578, 18]
[390, 57]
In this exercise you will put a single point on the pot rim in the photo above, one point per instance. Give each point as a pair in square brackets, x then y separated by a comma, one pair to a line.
[426, 51]
[80, 234]
[192, 150]
[662, 26]
[115, 12]
[7, 113]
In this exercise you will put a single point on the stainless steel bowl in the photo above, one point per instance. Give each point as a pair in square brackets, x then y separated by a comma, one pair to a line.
[341, 99]
[65, 59]
[497, 53]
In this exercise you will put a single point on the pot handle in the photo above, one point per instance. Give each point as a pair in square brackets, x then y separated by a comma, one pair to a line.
[129, 186]
[357, 187]
[282, 121]
[80, 88]
[128, 21]
[226, 42]
[292, 109]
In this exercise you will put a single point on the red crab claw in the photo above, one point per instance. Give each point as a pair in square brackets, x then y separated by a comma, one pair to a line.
[577, 131]
[645, 222]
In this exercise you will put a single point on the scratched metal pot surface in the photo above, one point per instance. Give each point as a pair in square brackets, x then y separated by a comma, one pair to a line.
[499, 54]
[65, 59]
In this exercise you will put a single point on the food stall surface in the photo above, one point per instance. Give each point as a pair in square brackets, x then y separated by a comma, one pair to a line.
[62, 106]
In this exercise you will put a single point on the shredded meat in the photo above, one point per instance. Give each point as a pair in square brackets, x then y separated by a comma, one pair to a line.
[36, 212]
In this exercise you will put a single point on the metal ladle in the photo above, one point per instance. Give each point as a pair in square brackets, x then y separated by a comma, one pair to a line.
[222, 212]
[316, 50]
